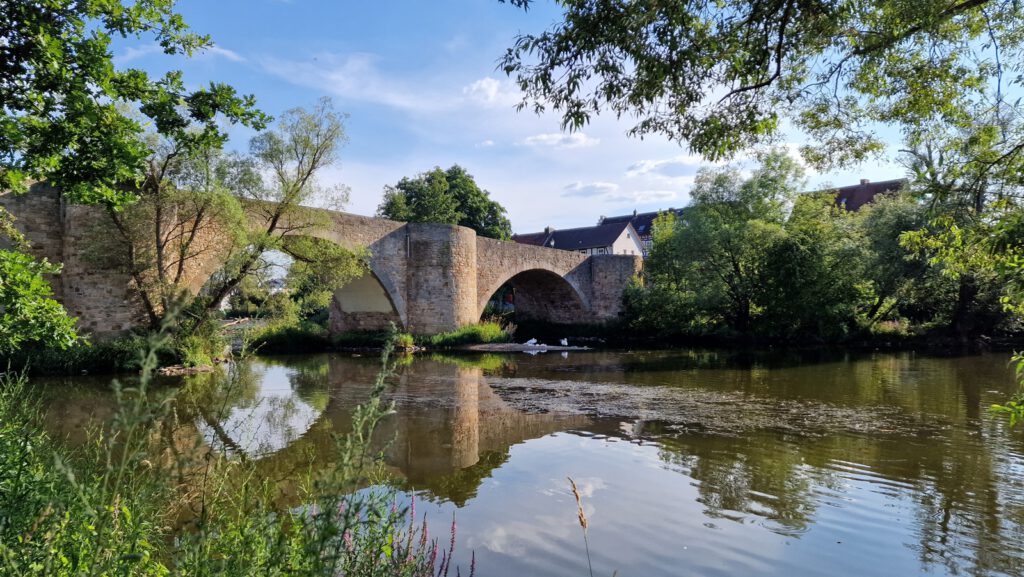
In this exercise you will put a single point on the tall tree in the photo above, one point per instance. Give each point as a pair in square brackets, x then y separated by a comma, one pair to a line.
[718, 252]
[448, 197]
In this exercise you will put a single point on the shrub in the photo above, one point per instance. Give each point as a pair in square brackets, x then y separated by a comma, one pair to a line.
[286, 337]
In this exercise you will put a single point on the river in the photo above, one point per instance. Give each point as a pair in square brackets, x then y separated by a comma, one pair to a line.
[688, 462]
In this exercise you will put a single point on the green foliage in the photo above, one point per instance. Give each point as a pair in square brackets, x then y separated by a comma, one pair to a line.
[750, 258]
[482, 332]
[281, 176]
[64, 116]
[722, 76]
[29, 317]
[447, 197]
[319, 269]
[123, 354]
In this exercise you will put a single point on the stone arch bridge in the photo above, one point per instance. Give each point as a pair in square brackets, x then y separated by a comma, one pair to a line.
[426, 278]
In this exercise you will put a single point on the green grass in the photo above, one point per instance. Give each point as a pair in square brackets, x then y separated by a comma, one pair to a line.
[288, 338]
[485, 332]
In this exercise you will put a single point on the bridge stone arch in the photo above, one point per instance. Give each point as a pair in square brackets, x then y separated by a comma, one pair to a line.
[437, 277]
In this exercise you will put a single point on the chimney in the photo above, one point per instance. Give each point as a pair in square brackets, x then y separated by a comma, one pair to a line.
[864, 181]
[548, 230]
[600, 220]
[634, 213]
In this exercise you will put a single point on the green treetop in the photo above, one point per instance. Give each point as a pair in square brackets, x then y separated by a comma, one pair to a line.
[448, 197]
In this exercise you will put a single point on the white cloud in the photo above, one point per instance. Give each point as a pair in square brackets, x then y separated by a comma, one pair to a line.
[492, 93]
[355, 77]
[674, 167]
[224, 53]
[485, 144]
[643, 196]
[590, 189]
[141, 51]
[558, 140]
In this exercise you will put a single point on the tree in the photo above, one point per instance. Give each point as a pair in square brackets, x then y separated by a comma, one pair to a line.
[752, 257]
[717, 253]
[185, 210]
[286, 162]
[722, 76]
[65, 117]
[72, 118]
[446, 197]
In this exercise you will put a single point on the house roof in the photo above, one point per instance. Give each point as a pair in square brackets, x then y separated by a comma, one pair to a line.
[583, 238]
[857, 195]
[642, 222]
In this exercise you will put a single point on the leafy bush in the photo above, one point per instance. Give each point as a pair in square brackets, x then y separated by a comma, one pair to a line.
[123, 354]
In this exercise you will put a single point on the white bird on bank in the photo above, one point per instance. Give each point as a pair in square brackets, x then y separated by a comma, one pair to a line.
[564, 342]
[531, 342]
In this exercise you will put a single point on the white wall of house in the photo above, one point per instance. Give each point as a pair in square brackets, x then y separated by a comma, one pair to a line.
[627, 243]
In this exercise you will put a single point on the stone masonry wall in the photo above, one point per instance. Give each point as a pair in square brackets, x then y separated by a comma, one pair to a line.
[441, 283]
[610, 275]
[99, 298]
[38, 217]
[498, 261]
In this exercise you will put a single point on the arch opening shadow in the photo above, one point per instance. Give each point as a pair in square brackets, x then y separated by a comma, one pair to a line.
[363, 304]
[537, 295]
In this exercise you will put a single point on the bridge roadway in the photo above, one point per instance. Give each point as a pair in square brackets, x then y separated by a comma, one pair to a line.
[426, 278]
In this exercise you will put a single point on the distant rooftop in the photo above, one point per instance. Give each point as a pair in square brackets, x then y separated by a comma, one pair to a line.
[582, 238]
[857, 195]
[642, 221]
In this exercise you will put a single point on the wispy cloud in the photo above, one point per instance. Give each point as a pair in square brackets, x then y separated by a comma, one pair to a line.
[643, 196]
[671, 167]
[591, 189]
[485, 144]
[136, 52]
[141, 51]
[224, 53]
[354, 77]
[558, 140]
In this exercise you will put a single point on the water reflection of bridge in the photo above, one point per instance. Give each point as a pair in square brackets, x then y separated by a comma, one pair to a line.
[450, 429]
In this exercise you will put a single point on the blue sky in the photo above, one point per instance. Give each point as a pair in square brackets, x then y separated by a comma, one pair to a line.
[419, 82]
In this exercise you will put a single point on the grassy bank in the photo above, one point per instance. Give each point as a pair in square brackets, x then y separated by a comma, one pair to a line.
[130, 503]
[279, 338]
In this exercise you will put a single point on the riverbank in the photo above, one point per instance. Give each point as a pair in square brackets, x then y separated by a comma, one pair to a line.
[124, 354]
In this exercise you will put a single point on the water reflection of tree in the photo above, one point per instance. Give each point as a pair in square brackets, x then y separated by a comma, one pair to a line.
[747, 475]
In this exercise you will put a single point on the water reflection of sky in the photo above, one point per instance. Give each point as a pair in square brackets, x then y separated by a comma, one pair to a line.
[649, 518]
[878, 465]
[265, 421]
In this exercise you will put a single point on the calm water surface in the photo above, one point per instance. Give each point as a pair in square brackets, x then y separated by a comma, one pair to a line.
[689, 462]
